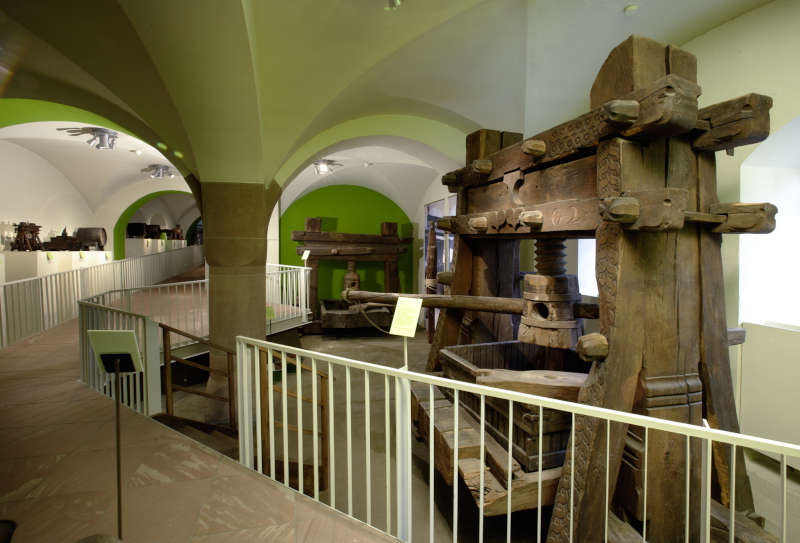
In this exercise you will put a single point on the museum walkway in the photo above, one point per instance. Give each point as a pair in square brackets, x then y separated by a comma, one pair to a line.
[57, 475]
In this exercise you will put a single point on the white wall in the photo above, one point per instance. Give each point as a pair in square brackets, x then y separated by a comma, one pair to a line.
[756, 52]
[34, 190]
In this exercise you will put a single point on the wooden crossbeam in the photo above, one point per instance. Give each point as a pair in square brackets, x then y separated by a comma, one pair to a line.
[667, 107]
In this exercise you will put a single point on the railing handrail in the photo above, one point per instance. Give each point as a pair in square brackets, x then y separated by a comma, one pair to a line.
[204, 341]
[287, 266]
[87, 303]
[160, 285]
[731, 438]
[93, 266]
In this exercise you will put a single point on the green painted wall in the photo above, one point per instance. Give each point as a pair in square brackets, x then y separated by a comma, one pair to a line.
[122, 222]
[21, 110]
[353, 210]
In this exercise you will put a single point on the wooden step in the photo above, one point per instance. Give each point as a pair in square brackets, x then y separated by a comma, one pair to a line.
[524, 486]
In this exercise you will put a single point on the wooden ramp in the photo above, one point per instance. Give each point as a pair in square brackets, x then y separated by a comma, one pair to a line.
[524, 486]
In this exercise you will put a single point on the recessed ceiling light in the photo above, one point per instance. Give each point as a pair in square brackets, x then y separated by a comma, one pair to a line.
[137, 151]
[367, 163]
[630, 9]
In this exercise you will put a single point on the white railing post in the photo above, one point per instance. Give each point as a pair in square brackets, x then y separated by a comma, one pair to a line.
[152, 368]
[403, 425]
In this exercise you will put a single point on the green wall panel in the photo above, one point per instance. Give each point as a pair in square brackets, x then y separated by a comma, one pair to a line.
[352, 210]
[21, 110]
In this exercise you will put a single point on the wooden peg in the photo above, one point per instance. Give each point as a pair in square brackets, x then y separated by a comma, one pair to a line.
[482, 166]
[450, 178]
[444, 278]
[621, 111]
[445, 224]
[532, 218]
[534, 148]
[478, 223]
[592, 347]
[624, 209]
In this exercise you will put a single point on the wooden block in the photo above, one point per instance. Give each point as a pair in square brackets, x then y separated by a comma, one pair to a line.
[732, 123]
[592, 347]
[478, 223]
[746, 218]
[562, 385]
[444, 278]
[389, 229]
[482, 143]
[623, 210]
[635, 63]
[736, 336]
[483, 167]
[531, 218]
[659, 209]
[313, 224]
[534, 148]
[621, 111]
[509, 138]
[524, 489]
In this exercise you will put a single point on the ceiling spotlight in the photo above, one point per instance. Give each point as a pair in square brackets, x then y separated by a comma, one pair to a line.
[393, 5]
[325, 166]
[137, 151]
[159, 171]
[367, 164]
[102, 138]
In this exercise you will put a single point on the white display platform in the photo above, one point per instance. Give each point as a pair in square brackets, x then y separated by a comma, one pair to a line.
[84, 259]
[17, 265]
[173, 244]
[141, 247]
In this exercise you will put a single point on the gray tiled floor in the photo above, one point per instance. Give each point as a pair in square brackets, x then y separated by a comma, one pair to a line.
[57, 468]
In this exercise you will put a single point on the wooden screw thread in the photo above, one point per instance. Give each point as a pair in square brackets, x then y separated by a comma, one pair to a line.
[551, 256]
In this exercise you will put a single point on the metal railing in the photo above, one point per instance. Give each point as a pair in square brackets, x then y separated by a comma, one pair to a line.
[287, 296]
[170, 357]
[183, 306]
[254, 425]
[140, 391]
[183, 309]
[31, 306]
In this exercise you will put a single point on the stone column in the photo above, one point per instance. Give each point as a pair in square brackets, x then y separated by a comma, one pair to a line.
[235, 217]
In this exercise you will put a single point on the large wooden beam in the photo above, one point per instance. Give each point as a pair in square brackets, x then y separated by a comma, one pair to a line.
[715, 366]
[341, 237]
[491, 304]
[733, 123]
[666, 107]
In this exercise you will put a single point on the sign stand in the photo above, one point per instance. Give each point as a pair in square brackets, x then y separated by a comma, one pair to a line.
[117, 352]
[404, 323]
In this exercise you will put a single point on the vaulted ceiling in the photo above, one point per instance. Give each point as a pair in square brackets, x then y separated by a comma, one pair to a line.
[237, 86]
